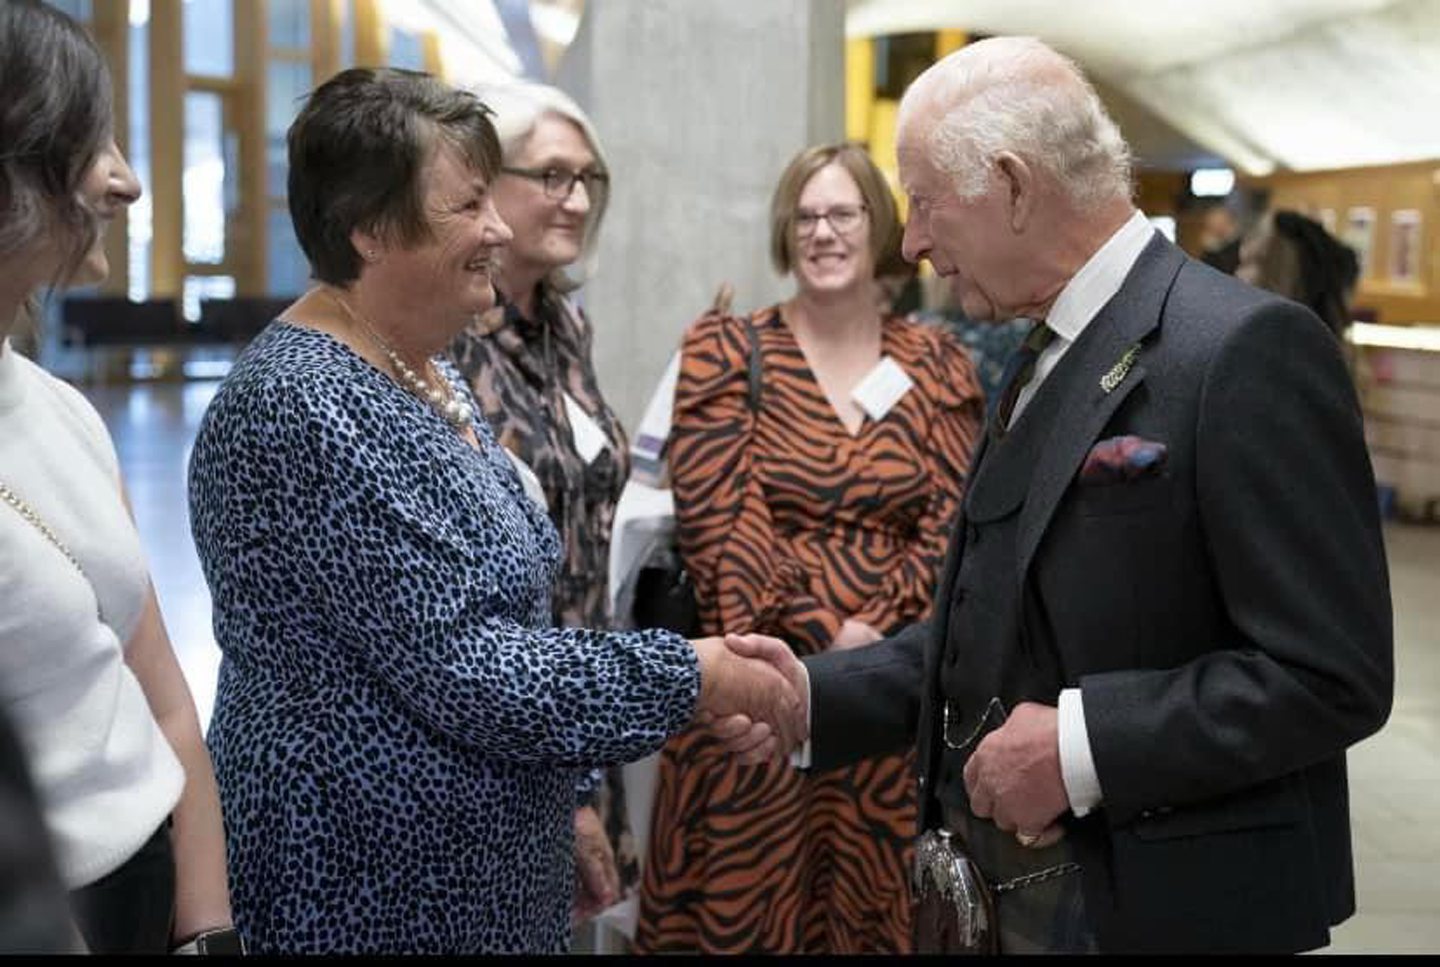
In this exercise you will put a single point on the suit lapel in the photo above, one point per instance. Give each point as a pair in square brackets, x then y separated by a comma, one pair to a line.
[1089, 398]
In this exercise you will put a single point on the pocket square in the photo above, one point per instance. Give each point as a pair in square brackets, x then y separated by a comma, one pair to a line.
[1122, 458]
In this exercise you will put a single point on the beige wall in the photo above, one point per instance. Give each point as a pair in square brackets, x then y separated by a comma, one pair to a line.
[700, 106]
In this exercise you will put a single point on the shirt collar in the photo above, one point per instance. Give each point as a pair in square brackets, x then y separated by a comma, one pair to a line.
[1099, 278]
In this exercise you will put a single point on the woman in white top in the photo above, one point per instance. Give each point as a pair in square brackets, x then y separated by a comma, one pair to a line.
[87, 673]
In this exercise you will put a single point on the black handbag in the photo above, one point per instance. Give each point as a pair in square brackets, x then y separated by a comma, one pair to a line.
[664, 593]
[664, 596]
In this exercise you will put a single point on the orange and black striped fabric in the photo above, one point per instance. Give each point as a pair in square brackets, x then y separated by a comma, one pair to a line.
[788, 525]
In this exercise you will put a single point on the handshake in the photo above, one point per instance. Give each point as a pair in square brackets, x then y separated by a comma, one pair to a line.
[754, 696]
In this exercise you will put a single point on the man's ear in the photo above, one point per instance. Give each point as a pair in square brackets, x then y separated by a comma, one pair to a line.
[1018, 180]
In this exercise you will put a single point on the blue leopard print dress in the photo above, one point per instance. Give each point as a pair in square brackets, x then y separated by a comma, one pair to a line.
[399, 732]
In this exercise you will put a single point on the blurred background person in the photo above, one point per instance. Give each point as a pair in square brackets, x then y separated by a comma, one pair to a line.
[400, 729]
[1219, 241]
[990, 344]
[818, 514]
[87, 673]
[1293, 255]
[529, 363]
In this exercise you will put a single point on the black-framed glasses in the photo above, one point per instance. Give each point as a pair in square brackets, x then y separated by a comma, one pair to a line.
[843, 220]
[559, 183]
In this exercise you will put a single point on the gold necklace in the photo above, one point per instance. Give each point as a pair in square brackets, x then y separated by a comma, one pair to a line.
[33, 519]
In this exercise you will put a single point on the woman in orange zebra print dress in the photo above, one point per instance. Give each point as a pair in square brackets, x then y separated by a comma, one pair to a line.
[820, 516]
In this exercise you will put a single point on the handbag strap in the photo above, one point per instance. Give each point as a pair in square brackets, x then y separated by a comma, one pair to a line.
[755, 364]
[34, 520]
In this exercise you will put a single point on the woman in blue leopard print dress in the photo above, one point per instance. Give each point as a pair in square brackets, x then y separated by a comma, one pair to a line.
[399, 733]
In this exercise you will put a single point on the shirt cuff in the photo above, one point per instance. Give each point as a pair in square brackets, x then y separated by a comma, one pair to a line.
[1077, 764]
[800, 757]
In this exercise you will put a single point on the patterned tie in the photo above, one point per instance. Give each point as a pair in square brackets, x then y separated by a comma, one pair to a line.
[1018, 372]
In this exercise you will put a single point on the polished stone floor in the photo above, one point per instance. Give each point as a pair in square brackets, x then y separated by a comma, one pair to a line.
[1395, 776]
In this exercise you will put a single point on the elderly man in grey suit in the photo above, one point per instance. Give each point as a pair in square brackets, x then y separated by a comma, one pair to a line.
[1165, 614]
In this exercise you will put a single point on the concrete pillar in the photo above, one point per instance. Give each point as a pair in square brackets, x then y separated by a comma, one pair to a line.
[700, 104]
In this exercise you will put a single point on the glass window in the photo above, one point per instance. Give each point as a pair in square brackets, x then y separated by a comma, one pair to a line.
[140, 219]
[347, 35]
[277, 165]
[288, 272]
[406, 50]
[199, 287]
[78, 9]
[286, 84]
[209, 37]
[205, 178]
[290, 24]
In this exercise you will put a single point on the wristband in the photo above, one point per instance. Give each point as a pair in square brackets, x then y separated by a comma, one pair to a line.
[221, 940]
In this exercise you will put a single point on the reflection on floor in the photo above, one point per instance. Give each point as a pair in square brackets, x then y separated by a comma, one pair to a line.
[153, 425]
[1394, 776]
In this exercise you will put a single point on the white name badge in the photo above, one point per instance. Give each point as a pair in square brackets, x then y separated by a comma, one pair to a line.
[882, 388]
[528, 481]
[585, 433]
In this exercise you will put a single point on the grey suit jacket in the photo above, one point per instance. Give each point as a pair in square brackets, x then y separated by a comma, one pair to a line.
[1227, 621]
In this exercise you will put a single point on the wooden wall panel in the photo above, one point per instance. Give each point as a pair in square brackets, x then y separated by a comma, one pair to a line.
[167, 157]
[1385, 189]
[111, 28]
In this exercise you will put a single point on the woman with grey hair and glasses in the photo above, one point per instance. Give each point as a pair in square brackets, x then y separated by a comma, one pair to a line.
[530, 366]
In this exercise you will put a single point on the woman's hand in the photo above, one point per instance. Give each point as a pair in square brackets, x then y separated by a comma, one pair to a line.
[749, 736]
[597, 880]
[763, 682]
[854, 634]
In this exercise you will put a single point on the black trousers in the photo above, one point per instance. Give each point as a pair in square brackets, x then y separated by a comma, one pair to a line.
[132, 909]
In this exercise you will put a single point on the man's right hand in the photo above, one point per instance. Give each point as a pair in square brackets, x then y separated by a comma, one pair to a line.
[738, 686]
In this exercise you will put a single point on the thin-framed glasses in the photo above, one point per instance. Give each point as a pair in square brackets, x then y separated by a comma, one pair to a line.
[559, 183]
[843, 220]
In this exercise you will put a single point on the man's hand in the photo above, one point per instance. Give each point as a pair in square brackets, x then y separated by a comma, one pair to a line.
[1014, 776]
[854, 634]
[597, 881]
[748, 682]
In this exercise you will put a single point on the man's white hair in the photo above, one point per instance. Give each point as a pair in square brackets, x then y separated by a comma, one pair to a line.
[1016, 94]
[518, 107]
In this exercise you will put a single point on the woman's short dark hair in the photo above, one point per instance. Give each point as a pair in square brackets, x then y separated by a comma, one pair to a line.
[55, 119]
[357, 151]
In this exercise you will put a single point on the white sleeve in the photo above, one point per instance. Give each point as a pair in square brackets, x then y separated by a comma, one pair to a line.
[1077, 763]
[800, 757]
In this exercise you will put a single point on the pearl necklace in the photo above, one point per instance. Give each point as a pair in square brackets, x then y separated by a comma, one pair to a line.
[447, 402]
